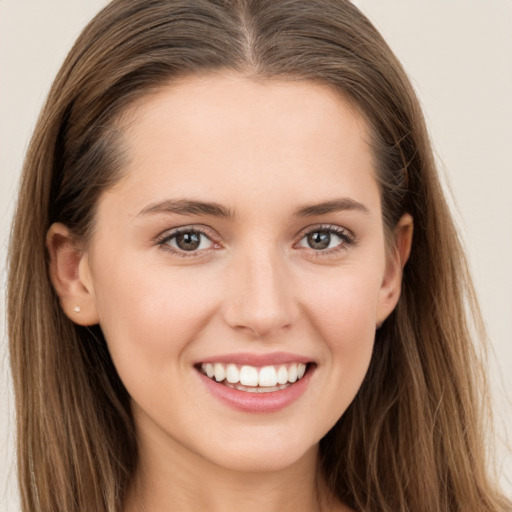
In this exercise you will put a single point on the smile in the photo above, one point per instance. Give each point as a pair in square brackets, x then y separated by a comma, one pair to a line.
[257, 383]
[254, 379]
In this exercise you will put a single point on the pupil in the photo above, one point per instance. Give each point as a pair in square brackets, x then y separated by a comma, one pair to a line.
[188, 241]
[319, 240]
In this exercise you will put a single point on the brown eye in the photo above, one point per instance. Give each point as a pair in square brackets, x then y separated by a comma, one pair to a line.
[319, 239]
[188, 241]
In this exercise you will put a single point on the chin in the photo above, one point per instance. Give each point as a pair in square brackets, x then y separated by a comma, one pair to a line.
[258, 454]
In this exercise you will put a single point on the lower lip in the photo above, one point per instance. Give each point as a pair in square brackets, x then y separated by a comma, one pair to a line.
[258, 402]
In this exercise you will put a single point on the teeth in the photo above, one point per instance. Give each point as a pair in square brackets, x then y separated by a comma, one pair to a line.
[232, 374]
[257, 389]
[282, 375]
[268, 376]
[220, 372]
[249, 376]
[209, 370]
[253, 379]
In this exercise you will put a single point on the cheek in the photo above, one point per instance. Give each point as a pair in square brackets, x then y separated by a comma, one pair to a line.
[149, 318]
[343, 314]
[343, 305]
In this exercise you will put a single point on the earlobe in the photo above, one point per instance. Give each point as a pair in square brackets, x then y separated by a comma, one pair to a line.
[70, 275]
[397, 258]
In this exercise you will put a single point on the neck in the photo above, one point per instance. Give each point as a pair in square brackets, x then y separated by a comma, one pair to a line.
[170, 477]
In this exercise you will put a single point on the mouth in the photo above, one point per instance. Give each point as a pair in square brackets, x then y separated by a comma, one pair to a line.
[255, 379]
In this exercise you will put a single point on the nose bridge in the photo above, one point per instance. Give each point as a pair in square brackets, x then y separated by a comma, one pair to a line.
[261, 298]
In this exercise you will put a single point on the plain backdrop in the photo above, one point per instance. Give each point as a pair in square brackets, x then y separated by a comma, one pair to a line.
[458, 54]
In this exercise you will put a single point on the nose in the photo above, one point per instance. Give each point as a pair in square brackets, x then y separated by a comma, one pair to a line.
[260, 297]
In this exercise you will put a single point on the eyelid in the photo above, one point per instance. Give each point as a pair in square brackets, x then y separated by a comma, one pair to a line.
[345, 234]
[162, 239]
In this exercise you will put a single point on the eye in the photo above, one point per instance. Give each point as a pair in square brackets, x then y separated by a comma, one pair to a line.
[326, 239]
[186, 240]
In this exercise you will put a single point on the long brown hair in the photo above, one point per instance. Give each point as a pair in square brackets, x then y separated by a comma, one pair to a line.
[413, 438]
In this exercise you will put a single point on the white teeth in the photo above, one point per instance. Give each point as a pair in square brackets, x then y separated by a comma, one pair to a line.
[208, 368]
[292, 373]
[282, 375]
[232, 374]
[239, 387]
[249, 376]
[220, 372]
[268, 376]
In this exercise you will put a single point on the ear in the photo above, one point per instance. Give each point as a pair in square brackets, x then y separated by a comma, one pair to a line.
[397, 258]
[71, 276]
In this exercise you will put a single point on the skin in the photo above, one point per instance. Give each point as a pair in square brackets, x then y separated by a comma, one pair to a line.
[261, 150]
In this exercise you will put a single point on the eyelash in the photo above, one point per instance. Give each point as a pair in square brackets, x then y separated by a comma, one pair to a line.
[163, 242]
[347, 239]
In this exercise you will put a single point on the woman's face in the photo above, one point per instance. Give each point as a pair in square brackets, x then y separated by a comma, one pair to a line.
[247, 232]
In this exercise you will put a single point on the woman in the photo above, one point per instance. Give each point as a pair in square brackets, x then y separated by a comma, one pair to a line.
[245, 286]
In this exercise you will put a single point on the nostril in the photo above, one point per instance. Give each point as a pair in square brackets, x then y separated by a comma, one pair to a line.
[261, 329]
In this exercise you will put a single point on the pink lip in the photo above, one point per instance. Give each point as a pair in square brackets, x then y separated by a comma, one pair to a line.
[257, 359]
[257, 402]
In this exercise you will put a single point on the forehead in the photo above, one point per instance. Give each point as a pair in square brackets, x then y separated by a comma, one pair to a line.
[217, 135]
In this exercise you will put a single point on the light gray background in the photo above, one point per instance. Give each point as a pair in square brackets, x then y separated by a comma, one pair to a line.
[459, 56]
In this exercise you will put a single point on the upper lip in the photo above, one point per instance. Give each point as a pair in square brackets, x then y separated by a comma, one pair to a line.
[252, 359]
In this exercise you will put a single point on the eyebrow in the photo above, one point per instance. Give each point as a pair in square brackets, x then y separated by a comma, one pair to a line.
[332, 206]
[187, 207]
[192, 207]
